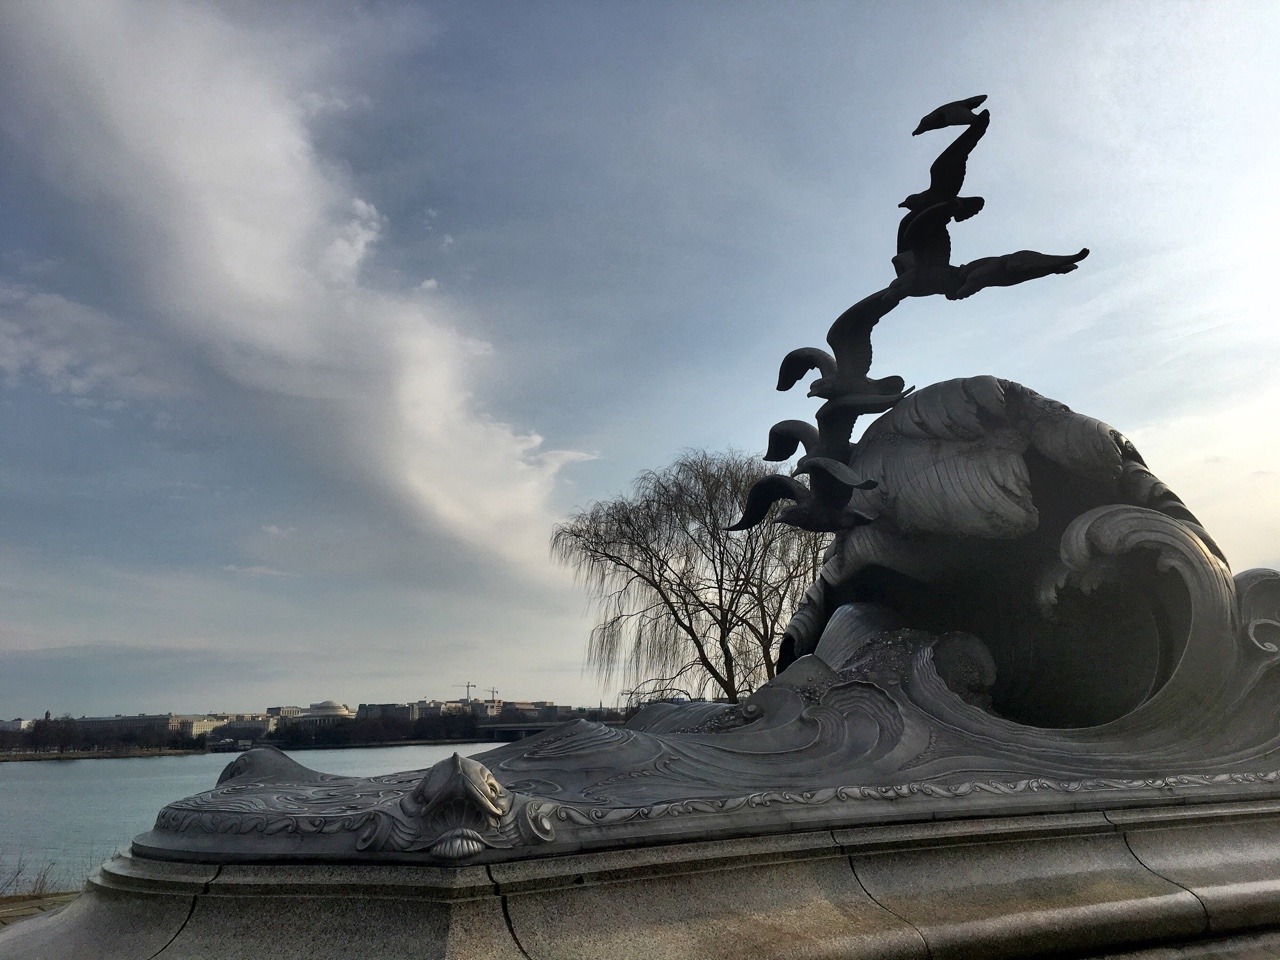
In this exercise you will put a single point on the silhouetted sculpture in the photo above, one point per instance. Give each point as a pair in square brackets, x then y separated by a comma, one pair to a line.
[849, 393]
[923, 266]
[923, 259]
[1012, 268]
[950, 115]
[824, 510]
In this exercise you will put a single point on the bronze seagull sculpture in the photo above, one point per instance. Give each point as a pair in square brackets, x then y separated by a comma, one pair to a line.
[787, 436]
[844, 376]
[950, 115]
[844, 383]
[821, 514]
[923, 260]
[923, 266]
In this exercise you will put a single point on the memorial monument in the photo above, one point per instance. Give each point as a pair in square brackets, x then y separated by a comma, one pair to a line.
[1026, 709]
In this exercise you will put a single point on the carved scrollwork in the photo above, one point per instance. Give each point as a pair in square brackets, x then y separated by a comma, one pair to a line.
[1258, 593]
[453, 812]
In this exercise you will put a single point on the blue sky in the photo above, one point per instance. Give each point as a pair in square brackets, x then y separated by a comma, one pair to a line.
[314, 319]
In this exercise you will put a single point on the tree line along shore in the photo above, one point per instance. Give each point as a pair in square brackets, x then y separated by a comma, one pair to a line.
[65, 738]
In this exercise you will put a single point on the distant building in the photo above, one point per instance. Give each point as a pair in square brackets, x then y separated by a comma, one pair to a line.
[16, 726]
[542, 710]
[326, 713]
[285, 711]
[387, 711]
[162, 725]
[429, 708]
[328, 708]
[244, 726]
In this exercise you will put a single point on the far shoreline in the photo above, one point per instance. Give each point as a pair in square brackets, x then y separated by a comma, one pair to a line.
[99, 755]
[165, 752]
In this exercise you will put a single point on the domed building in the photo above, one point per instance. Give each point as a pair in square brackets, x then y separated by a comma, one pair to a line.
[329, 708]
[326, 713]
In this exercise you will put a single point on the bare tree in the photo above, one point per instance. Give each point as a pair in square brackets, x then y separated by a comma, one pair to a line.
[684, 605]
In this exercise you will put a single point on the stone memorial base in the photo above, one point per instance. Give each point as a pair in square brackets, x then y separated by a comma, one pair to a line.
[1200, 880]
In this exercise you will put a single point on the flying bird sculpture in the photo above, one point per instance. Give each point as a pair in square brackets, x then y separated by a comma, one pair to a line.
[844, 375]
[825, 513]
[837, 497]
[923, 260]
[849, 393]
[950, 115]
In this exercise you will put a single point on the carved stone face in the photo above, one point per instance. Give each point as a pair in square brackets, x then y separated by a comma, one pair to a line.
[466, 783]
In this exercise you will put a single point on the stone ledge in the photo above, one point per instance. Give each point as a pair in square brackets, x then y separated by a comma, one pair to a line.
[1162, 881]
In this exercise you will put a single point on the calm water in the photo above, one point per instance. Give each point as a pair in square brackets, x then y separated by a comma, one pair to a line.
[74, 813]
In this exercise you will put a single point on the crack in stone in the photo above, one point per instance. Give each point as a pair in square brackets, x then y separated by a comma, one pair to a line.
[506, 913]
[190, 913]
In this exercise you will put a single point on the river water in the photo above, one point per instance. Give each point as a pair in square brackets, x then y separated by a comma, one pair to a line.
[74, 813]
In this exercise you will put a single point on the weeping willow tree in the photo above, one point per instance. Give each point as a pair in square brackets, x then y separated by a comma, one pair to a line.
[683, 604]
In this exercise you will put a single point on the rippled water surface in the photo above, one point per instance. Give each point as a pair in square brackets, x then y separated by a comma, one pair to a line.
[74, 813]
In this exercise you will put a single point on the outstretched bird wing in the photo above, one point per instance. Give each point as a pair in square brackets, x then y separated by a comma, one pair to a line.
[946, 176]
[1013, 268]
[949, 114]
[786, 436]
[850, 335]
[799, 362]
[764, 493]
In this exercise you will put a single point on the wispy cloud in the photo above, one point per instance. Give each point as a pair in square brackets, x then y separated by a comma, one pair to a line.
[242, 252]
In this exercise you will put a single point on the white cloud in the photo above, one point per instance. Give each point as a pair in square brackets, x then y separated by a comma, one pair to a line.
[244, 252]
[341, 261]
[76, 349]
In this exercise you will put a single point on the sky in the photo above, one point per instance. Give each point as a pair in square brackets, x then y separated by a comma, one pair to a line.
[316, 317]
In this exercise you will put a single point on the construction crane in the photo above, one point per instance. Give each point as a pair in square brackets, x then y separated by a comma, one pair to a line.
[468, 685]
[493, 694]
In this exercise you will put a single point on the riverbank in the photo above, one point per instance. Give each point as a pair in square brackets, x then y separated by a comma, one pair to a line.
[99, 755]
[165, 752]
